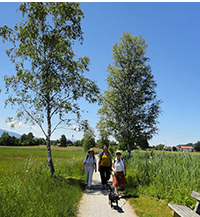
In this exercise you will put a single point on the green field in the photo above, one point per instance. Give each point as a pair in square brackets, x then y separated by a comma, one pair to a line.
[159, 178]
[26, 188]
[154, 180]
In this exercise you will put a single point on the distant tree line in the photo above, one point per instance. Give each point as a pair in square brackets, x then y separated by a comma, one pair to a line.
[64, 142]
[30, 140]
[87, 142]
[196, 147]
[24, 140]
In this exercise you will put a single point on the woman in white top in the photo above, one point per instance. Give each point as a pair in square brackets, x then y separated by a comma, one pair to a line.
[89, 165]
[119, 170]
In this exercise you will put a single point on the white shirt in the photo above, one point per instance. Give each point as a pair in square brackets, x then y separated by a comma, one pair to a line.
[119, 166]
[89, 163]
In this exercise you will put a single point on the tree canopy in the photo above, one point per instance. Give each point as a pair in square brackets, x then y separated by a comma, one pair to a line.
[129, 106]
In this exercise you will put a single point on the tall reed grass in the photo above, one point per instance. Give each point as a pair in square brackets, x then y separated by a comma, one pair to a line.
[26, 188]
[167, 176]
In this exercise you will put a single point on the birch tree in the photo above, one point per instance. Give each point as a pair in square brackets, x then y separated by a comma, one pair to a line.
[49, 78]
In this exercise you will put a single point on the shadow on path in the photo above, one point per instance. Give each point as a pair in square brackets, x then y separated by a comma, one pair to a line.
[119, 209]
[97, 188]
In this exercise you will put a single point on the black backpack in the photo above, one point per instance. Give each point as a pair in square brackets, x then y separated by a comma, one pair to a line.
[121, 159]
[88, 156]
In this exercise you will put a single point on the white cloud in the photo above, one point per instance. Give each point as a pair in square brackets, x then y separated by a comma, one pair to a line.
[20, 124]
[16, 123]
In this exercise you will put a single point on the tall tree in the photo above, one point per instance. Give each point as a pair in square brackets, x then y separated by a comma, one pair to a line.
[49, 78]
[129, 105]
[88, 139]
[63, 141]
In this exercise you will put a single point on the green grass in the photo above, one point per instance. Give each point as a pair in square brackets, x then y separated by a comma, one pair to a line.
[168, 177]
[146, 206]
[26, 188]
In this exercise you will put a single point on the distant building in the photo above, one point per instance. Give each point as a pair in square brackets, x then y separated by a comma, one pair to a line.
[186, 148]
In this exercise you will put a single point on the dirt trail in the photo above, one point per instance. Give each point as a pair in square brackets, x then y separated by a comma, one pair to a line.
[95, 203]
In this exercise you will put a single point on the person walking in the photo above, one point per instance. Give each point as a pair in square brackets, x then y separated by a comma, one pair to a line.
[119, 170]
[104, 166]
[89, 165]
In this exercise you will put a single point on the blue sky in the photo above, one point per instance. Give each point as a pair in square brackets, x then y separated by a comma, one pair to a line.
[172, 31]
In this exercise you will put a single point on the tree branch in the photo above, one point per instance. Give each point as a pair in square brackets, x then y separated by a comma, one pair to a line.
[29, 114]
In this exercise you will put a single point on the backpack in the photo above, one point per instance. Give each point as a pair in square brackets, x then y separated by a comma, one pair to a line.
[115, 160]
[88, 156]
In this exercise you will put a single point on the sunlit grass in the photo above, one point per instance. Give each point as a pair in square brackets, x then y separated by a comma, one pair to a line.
[146, 206]
[27, 189]
[168, 177]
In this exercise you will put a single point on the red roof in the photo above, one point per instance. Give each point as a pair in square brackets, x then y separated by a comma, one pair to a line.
[187, 147]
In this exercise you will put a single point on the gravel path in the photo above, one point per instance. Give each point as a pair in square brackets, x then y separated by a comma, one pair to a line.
[95, 203]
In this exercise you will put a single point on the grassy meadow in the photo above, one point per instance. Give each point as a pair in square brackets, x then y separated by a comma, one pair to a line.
[155, 179]
[26, 188]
